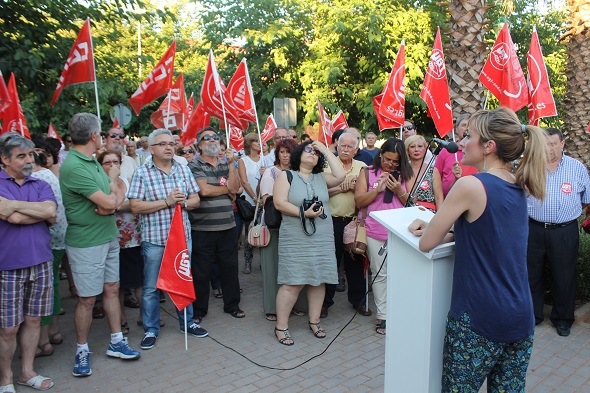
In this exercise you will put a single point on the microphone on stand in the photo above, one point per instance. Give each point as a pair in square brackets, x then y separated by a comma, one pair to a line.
[451, 147]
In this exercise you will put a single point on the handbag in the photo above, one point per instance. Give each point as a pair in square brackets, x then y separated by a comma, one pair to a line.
[360, 239]
[245, 209]
[258, 233]
[273, 217]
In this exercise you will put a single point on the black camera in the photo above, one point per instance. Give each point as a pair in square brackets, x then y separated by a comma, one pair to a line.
[318, 204]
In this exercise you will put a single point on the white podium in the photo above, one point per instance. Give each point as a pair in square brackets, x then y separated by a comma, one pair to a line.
[418, 301]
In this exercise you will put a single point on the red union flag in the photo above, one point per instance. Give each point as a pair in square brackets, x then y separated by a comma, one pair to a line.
[239, 92]
[175, 272]
[79, 66]
[502, 74]
[5, 99]
[157, 83]
[13, 117]
[188, 111]
[52, 133]
[393, 103]
[326, 130]
[339, 122]
[384, 122]
[211, 94]
[541, 102]
[435, 91]
[269, 129]
[236, 138]
[170, 114]
[199, 119]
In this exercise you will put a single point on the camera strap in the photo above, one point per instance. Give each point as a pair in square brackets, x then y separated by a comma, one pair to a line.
[311, 221]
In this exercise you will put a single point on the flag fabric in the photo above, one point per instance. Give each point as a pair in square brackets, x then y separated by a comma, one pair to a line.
[236, 138]
[190, 105]
[384, 122]
[435, 91]
[116, 123]
[157, 83]
[213, 91]
[52, 133]
[269, 129]
[239, 93]
[393, 103]
[5, 99]
[170, 114]
[175, 272]
[339, 122]
[13, 117]
[199, 119]
[502, 74]
[326, 130]
[79, 66]
[541, 102]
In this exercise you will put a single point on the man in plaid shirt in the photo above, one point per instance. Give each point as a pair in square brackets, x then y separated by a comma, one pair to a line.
[157, 187]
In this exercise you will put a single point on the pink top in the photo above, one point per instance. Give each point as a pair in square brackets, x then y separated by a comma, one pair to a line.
[374, 229]
[444, 164]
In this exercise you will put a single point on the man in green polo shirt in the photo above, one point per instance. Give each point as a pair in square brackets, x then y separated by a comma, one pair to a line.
[90, 199]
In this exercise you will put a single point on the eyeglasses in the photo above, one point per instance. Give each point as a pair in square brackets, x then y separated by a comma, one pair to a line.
[285, 137]
[189, 151]
[164, 144]
[109, 163]
[113, 135]
[408, 128]
[68, 141]
[208, 137]
[311, 150]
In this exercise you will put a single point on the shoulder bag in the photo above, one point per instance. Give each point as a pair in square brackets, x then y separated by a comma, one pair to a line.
[258, 234]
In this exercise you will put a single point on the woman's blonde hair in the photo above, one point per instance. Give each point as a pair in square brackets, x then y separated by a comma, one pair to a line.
[248, 140]
[503, 127]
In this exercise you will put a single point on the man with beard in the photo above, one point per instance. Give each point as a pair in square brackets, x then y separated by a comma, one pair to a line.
[553, 233]
[27, 208]
[115, 141]
[156, 189]
[213, 227]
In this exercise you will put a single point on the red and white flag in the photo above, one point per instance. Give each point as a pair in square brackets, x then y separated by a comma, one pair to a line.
[239, 93]
[13, 117]
[170, 114]
[502, 74]
[116, 123]
[175, 272]
[384, 123]
[52, 133]
[269, 129]
[541, 102]
[435, 91]
[189, 110]
[5, 99]
[393, 103]
[79, 66]
[211, 95]
[326, 130]
[339, 122]
[157, 83]
[236, 138]
[199, 119]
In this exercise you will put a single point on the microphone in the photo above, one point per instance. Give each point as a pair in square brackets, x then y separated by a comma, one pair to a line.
[451, 147]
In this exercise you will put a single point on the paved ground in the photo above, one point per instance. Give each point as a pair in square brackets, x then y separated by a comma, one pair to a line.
[352, 362]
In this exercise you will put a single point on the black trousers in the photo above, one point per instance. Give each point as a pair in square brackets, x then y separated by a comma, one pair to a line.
[353, 268]
[219, 247]
[558, 248]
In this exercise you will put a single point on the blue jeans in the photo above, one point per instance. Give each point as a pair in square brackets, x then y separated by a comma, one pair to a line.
[150, 300]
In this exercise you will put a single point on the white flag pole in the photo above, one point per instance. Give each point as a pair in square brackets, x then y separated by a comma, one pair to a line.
[95, 82]
[453, 136]
[185, 332]
[168, 110]
[253, 103]
[221, 98]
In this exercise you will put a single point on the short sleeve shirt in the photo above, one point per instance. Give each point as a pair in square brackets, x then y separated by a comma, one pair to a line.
[80, 177]
[342, 205]
[58, 230]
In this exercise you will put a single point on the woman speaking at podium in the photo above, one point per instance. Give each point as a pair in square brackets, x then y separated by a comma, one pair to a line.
[490, 326]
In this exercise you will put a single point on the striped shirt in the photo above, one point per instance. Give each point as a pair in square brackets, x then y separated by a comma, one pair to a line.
[567, 189]
[214, 213]
[150, 183]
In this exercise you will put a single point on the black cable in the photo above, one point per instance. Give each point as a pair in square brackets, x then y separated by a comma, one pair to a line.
[302, 363]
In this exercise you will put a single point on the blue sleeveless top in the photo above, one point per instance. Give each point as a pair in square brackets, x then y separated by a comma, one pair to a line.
[490, 279]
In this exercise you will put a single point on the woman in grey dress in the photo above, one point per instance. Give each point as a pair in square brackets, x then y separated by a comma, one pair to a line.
[306, 254]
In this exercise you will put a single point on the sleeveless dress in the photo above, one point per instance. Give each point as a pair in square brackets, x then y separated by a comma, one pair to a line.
[252, 174]
[425, 192]
[307, 259]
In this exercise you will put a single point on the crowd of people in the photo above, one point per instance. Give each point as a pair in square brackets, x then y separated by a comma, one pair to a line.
[100, 207]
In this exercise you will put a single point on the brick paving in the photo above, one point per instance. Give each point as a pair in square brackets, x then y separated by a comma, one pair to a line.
[353, 362]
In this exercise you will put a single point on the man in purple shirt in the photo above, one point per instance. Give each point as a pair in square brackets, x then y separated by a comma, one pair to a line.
[27, 208]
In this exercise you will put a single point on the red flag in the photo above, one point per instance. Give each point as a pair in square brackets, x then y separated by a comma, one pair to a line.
[170, 114]
[269, 129]
[236, 138]
[541, 102]
[188, 111]
[79, 66]
[393, 103]
[435, 91]
[52, 133]
[326, 129]
[339, 122]
[239, 92]
[212, 92]
[157, 83]
[13, 117]
[175, 272]
[116, 123]
[5, 99]
[502, 74]
[199, 119]
[383, 121]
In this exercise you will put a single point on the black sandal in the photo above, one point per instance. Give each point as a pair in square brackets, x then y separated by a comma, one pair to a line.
[237, 313]
[125, 328]
[320, 332]
[380, 326]
[286, 338]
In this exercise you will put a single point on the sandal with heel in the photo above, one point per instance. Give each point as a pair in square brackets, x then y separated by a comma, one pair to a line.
[319, 332]
[285, 340]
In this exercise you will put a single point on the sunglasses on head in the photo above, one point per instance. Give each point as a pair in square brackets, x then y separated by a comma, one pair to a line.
[189, 151]
[309, 149]
[410, 127]
[209, 137]
[120, 136]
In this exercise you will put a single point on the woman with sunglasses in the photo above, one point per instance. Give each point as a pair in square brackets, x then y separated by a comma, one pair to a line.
[188, 152]
[382, 186]
[306, 236]
[490, 326]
